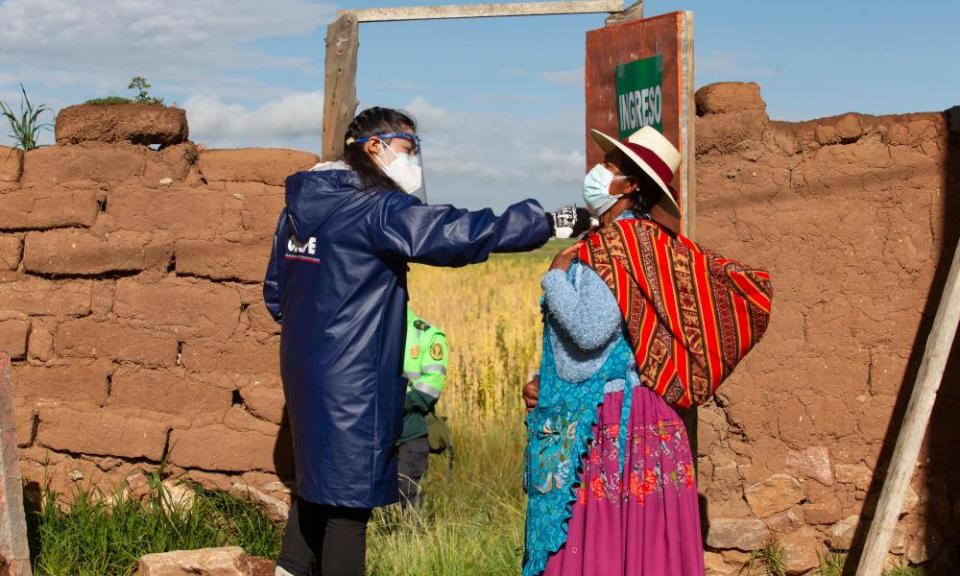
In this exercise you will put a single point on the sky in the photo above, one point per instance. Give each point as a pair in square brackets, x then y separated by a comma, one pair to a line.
[500, 101]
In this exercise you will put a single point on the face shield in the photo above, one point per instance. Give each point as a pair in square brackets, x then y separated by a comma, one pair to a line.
[404, 168]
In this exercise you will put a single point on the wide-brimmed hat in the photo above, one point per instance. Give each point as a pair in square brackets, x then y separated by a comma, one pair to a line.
[652, 153]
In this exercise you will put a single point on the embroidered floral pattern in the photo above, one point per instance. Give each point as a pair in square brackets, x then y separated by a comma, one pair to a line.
[559, 431]
[651, 447]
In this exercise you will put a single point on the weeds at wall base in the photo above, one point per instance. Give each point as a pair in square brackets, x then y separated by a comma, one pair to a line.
[767, 561]
[104, 535]
[831, 563]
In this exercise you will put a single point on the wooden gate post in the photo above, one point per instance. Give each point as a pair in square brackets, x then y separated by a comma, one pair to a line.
[340, 83]
[14, 549]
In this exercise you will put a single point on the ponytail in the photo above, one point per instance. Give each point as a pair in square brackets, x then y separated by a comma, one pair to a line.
[371, 122]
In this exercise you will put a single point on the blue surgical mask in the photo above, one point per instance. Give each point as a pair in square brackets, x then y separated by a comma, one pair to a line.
[596, 190]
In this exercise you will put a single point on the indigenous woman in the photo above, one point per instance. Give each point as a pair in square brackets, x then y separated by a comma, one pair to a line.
[639, 321]
[337, 283]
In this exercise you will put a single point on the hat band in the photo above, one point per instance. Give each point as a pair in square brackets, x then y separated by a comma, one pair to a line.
[653, 161]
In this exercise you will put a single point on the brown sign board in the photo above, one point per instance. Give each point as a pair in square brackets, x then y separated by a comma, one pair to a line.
[633, 54]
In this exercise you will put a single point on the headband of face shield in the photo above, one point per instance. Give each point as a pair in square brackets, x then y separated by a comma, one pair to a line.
[404, 169]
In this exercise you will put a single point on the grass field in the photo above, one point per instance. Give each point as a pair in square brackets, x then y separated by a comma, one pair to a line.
[490, 313]
[472, 522]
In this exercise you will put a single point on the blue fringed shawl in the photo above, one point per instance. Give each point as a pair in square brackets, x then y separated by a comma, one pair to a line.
[584, 355]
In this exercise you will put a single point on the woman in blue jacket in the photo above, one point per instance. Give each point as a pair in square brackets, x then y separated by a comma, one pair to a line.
[337, 283]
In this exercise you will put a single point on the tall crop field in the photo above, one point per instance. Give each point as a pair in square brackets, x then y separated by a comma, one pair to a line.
[472, 520]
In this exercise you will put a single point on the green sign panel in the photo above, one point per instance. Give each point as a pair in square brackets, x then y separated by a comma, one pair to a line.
[640, 95]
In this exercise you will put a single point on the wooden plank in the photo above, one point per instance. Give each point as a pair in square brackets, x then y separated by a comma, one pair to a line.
[633, 12]
[688, 113]
[688, 183]
[14, 549]
[340, 84]
[915, 421]
[484, 10]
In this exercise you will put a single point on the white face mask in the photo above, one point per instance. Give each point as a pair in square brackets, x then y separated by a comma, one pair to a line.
[403, 169]
[596, 189]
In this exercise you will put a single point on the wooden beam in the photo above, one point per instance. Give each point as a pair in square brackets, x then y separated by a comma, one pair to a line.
[688, 134]
[688, 183]
[340, 83]
[13, 527]
[484, 10]
[904, 459]
[634, 12]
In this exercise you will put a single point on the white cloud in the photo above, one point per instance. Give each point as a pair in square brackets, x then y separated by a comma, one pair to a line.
[98, 43]
[479, 159]
[65, 25]
[294, 119]
[428, 116]
[558, 165]
[733, 65]
[570, 77]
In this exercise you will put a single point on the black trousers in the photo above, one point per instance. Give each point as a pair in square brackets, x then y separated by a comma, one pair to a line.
[329, 538]
[336, 537]
[412, 459]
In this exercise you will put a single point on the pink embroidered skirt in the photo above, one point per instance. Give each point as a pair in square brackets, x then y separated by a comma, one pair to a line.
[646, 523]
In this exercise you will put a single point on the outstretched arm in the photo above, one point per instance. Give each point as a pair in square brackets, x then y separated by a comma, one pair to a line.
[446, 236]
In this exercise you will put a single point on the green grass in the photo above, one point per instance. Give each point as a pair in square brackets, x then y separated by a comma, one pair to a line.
[472, 521]
[767, 561]
[25, 125]
[831, 564]
[138, 83]
[108, 101]
[902, 568]
[106, 535]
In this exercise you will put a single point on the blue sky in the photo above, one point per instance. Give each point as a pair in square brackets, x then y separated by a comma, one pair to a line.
[500, 100]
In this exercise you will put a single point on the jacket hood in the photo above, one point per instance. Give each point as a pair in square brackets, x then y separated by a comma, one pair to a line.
[314, 195]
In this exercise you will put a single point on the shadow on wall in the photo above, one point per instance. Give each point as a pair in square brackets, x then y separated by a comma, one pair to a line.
[939, 456]
[943, 481]
[283, 452]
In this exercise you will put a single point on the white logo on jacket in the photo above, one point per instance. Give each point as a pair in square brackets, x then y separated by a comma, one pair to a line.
[305, 250]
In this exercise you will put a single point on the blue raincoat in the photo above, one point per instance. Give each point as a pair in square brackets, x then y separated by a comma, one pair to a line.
[337, 283]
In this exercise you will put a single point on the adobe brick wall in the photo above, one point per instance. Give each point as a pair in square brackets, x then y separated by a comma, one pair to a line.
[130, 302]
[850, 214]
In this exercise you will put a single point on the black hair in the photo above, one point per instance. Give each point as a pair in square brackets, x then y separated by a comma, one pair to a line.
[371, 122]
[648, 192]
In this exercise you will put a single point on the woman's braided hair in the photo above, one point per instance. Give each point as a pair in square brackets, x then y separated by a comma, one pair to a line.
[370, 122]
